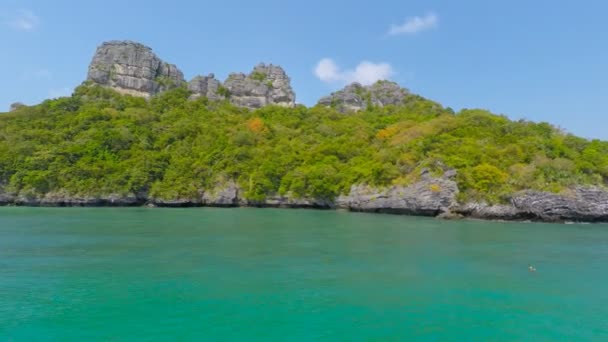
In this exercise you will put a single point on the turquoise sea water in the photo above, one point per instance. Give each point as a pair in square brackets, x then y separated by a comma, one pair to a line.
[74, 274]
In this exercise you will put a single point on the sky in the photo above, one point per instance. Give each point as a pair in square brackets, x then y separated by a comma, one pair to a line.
[536, 60]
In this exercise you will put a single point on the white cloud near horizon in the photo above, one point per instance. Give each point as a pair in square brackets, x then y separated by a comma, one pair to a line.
[415, 25]
[365, 72]
[25, 20]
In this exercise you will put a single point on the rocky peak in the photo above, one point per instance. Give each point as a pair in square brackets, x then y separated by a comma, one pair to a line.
[206, 86]
[15, 106]
[132, 68]
[265, 85]
[355, 97]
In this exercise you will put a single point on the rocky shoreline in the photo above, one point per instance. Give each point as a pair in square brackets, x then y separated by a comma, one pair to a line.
[431, 197]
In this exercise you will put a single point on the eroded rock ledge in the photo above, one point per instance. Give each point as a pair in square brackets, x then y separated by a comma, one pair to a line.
[584, 204]
[431, 196]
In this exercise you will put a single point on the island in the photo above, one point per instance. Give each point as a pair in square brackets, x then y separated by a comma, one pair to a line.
[137, 133]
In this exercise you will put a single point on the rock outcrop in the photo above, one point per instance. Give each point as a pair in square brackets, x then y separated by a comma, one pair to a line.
[132, 68]
[355, 97]
[265, 85]
[289, 201]
[431, 196]
[15, 106]
[225, 194]
[581, 204]
[63, 199]
[428, 197]
[5, 197]
[206, 86]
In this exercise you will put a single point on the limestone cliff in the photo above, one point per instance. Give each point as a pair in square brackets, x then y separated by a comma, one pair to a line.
[355, 97]
[206, 86]
[132, 68]
[265, 85]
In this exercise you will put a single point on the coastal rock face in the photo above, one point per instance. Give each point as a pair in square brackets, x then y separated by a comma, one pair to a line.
[174, 202]
[289, 201]
[428, 197]
[62, 198]
[491, 212]
[132, 68]
[223, 195]
[265, 85]
[355, 97]
[205, 86]
[5, 197]
[15, 106]
[583, 204]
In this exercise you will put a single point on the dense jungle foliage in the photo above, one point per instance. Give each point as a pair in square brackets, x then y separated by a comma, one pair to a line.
[99, 142]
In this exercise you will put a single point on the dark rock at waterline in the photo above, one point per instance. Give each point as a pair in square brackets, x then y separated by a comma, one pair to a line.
[582, 204]
[225, 194]
[429, 197]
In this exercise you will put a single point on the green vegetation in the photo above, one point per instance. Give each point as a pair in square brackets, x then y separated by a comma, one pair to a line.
[223, 91]
[100, 142]
[258, 76]
[165, 82]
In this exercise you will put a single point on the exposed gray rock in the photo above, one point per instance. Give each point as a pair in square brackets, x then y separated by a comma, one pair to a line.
[491, 212]
[132, 68]
[348, 99]
[223, 195]
[265, 85]
[15, 106]
[6, 198]
[583, 204]
[62, 198]
[289, 201]
[355, 97]
[428, 197]
[174, 202]
[205, 86]
[53, 199]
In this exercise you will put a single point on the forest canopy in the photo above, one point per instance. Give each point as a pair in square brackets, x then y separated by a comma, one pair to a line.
[100, 142]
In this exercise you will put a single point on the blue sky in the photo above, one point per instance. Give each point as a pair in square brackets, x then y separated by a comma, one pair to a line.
[538, 60]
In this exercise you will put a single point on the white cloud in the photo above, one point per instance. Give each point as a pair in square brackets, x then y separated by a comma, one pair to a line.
[327, 71]
[25, 20]
[415, 25]
[365, 73]
[60, 92]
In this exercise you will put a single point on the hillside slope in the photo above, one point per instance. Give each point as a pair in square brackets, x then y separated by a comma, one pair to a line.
[101, 147]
